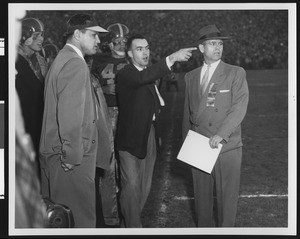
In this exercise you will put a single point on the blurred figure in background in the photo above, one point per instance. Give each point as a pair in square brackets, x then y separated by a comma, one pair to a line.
[31, 70]
[106, 65]
[30, 211]
[50, 52]
[174, 77]
[104, 69]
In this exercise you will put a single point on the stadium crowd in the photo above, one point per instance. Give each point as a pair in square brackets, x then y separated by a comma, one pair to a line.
[259, 37]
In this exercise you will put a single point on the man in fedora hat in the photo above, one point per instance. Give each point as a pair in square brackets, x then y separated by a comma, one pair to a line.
[73, 139]
[216, 100]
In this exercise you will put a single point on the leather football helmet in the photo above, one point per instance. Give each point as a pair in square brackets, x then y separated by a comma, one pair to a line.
[30, 26]
[58, 215]
[118, 30]
[115, 40]
[51, 50]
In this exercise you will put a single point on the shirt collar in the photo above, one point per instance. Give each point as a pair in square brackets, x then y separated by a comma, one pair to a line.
[138, 67]
[213, 65]
[76, 49]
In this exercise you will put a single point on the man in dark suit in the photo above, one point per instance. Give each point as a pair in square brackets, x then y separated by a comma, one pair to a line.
[215, 108]
[139, 103]
[73, 139]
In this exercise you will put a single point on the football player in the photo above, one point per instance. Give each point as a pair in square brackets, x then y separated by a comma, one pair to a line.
[105, 65]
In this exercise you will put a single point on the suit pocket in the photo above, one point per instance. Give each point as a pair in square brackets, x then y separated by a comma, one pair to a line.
[224, 91]
[223, 100]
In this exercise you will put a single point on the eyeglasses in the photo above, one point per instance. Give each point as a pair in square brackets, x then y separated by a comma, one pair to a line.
[119, 41]
[213, 43]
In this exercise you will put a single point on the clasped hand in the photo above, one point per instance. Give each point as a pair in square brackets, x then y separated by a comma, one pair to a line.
[66, 166]
[214, 141]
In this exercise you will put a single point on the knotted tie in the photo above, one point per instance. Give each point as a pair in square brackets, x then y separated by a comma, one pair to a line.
[205, 80]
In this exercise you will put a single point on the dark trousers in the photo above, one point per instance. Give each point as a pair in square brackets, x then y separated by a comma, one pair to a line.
[225, 180]
[136, 179]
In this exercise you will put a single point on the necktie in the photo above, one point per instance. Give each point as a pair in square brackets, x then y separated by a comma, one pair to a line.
[205, 81]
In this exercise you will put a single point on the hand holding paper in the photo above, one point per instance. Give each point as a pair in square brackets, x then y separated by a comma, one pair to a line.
[197, 152]
[214, 141]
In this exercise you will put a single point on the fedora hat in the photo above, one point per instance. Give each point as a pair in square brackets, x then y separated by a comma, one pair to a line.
[210, 32]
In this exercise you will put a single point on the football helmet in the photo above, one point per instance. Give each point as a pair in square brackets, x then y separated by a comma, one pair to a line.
[116, 39]
[51, 50]
[58, 215]
[118, 30]
[30, 26]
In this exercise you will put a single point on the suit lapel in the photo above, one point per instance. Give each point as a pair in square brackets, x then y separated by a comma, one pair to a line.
[194, 81]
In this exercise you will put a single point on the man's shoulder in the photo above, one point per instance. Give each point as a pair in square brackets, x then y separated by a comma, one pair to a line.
[127, 68]
[67, 53]
[101, 57]
[233, 67]
[193, 72]
[69, 60]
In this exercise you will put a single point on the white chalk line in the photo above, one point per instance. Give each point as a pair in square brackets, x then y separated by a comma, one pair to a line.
[267, 115]
[183, 198]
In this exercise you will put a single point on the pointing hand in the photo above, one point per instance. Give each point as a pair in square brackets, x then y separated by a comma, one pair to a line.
[182, 55]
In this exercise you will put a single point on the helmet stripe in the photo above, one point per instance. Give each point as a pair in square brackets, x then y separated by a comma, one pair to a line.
[121, 30]
[41, 24]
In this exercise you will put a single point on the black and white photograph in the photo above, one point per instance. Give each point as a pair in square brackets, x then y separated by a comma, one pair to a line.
[150, 119]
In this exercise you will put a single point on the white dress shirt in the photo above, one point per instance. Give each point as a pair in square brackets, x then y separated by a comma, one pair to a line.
[212, 69]
[161, 100]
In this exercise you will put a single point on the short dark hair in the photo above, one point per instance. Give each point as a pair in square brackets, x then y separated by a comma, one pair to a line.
[67, 37]
[132, 38]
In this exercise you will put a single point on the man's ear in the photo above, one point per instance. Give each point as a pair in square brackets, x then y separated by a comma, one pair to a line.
[111, 45]
[76, 34]
[28, 41]
[201, 48]
[130, 54]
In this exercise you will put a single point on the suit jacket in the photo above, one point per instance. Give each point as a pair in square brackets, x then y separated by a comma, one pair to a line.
[69, 129]
[221, 109]
[138, 101]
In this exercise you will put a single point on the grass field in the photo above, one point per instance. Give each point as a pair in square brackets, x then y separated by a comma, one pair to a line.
[263, 198]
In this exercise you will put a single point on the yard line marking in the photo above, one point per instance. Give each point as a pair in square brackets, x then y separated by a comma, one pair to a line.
[184, 198]
[266, 115]
[265, 84]
[263, 195]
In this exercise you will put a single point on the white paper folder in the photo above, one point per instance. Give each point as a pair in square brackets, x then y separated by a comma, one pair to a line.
[196, 151]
